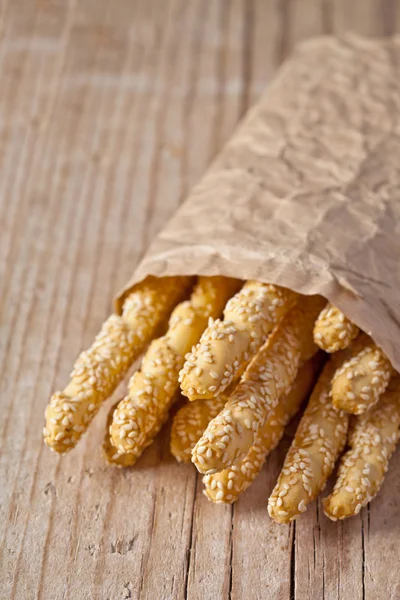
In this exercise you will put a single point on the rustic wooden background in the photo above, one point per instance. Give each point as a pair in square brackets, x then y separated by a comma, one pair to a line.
[109, 111]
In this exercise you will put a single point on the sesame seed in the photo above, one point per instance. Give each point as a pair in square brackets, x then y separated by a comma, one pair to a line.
[301, 506]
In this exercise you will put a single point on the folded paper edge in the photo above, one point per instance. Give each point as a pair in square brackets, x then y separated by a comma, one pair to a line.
[278, 272]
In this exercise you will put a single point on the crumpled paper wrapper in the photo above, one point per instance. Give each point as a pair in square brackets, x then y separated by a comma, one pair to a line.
[306, 193]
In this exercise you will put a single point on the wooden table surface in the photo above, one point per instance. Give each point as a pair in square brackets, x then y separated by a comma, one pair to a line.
[109, 112]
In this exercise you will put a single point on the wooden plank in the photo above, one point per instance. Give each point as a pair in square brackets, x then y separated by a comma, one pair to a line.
[90, 538]
[394, 13]
[328, 560]
[305, 20]
[268, 26]
[381, 544]
[69, 324]
[116, 574]
[365, 17]
[262, 549]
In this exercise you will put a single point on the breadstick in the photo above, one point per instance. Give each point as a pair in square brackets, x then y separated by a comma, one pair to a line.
[110, 453]
[319, 440]
[359, 381]
[226, 347]
[333, 331]
[227, 485]
[230, 435]
[141, 414]
[362, 469]
[98, 371]
[189, 424]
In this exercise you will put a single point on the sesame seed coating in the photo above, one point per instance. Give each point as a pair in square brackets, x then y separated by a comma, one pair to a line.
[236, 479]
[372, 441]
[110, 453]
[319, 440]
[269, 376]
[152, 390]
[333, 331]
[362, 378]
[99, 370]
[226, 347]
[190, 422]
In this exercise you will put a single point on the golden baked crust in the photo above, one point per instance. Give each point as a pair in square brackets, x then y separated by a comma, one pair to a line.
[318, 442]
[362, 378]
[226, 486]
[270, 375]
[226, 347]
[372, 441]
[99, 370]
[152, 389]
[333, 331]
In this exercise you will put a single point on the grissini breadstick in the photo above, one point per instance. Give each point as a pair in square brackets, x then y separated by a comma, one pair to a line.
[189, 424]
[226, 347]
[359, 382]
[319, 440]
[230, 435]
[362, 469]
[333, 331]
[225, 486]
[110, 453]
[141, 414]
[99, 370]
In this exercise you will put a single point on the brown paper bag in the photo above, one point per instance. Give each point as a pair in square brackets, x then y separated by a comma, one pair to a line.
[306, 194]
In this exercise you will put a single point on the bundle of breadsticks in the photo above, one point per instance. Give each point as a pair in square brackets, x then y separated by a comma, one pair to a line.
[247, 356]
[303, 196]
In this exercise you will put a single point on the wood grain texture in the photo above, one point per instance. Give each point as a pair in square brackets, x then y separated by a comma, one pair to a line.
[109, 112]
